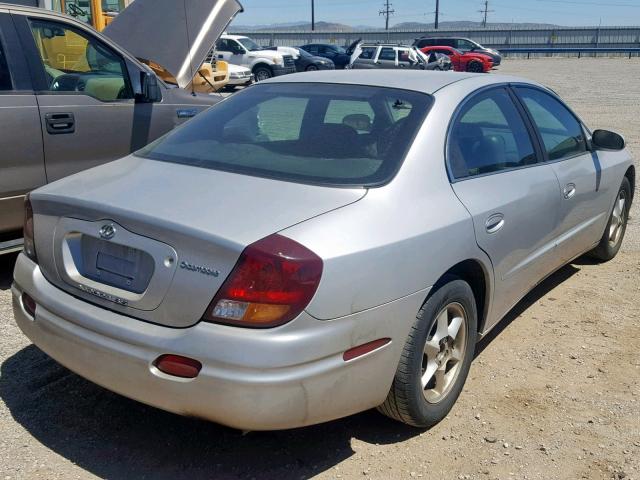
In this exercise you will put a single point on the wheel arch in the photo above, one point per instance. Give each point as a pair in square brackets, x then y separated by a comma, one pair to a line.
[477, 275]
[261, 63]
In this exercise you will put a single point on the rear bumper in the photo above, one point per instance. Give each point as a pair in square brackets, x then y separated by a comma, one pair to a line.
[271, 379]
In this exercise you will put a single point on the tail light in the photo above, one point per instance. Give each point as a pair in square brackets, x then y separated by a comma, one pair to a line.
[273, 281]
[27, 231]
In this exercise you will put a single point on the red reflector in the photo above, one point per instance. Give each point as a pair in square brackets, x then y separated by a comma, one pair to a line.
[29, 304]
[178, 366]
[363, 349]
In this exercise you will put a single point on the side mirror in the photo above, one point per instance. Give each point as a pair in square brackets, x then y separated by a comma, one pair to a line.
[150, 90]
[606, 140]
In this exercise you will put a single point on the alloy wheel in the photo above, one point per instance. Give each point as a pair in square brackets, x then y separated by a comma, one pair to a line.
[618, 219]
[444, 352]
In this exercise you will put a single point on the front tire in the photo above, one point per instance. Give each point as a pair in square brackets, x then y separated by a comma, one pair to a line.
[262, 73]
[312, 68]
[436, 357]
[611, 240]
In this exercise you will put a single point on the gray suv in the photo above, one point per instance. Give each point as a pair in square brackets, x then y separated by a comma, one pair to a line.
[463, 44]
[71, 98]
[389, 56]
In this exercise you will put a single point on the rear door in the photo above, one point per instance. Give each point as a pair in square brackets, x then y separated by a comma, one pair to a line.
[513, 198]
[387, 58]
[21, 162]
[84, 94]
[366, 59]
[584, 207]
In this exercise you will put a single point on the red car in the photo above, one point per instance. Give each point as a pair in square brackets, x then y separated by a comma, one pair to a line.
[463, 62]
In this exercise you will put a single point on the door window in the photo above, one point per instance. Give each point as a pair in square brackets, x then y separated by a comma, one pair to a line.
[561, 132]
[76, 62]
[312, 49]
[367, 53]
[387, 54]
[5, 75]
[488, 136]
[465, 45]
[223, 45]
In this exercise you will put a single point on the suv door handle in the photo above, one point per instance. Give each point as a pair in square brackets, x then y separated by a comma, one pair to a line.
[569, 190]
[58, 123]
[494, 223]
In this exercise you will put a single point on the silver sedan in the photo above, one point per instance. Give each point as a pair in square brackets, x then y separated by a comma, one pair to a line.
[318, 244]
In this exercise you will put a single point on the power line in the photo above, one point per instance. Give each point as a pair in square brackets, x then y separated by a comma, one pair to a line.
[485, 11]
[387, 12]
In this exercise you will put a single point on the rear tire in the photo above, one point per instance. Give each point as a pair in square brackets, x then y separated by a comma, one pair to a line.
[436, 357]
[475, 67]
[613, 235]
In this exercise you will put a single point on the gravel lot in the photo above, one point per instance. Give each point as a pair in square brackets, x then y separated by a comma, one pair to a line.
[554, 393]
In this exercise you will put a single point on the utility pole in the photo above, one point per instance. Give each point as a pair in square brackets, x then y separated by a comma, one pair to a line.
[485, 11]
[435, 24]
[313, 16]
[387, 12]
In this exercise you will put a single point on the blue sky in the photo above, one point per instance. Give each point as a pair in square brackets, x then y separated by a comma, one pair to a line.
[365, 12]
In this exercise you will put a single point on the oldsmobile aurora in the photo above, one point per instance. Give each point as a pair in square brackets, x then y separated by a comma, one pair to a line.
[318, 244]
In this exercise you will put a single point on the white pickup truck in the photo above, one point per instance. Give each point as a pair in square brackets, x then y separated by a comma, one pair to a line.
[241, 50]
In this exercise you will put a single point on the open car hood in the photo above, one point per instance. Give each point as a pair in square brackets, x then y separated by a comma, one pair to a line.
[176, 34]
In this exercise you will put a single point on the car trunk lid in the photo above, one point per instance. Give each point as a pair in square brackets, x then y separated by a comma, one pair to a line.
[156, 240]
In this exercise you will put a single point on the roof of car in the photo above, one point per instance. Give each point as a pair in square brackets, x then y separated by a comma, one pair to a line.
[417, 80]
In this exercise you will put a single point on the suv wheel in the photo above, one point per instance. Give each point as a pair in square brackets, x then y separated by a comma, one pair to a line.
[436, 357]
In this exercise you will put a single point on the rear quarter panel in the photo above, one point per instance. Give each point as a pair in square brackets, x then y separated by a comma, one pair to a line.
[397, 240]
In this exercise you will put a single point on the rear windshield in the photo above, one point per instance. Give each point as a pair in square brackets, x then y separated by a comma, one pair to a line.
[326, 134]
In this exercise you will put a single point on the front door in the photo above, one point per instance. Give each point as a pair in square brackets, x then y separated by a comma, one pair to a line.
[584, 207]
[21, 161]
[512, 197]
[387, 58]
[85, 97]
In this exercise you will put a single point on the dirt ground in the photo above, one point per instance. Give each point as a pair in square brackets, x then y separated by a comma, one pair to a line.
[554, 393]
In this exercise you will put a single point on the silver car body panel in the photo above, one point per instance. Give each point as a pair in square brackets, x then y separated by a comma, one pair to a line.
[278, 378]
[177, 34]
[198, 222]
[382, 251]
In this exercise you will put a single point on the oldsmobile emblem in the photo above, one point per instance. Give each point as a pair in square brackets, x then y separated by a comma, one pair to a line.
[199, 269]
[107, 231]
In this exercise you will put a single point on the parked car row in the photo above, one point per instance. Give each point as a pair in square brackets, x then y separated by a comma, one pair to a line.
[424, 54]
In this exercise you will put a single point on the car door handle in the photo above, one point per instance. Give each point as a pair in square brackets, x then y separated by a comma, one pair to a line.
[494, 223]
[59, 123]
[569, 191]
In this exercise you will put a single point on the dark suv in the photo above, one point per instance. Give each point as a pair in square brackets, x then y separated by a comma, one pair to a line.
[463, 44]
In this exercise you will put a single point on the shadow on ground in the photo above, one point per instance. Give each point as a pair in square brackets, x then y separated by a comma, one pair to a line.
[113, 437]
[7, 262]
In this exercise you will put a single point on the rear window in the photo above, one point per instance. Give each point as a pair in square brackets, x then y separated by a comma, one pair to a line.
[325, 134]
